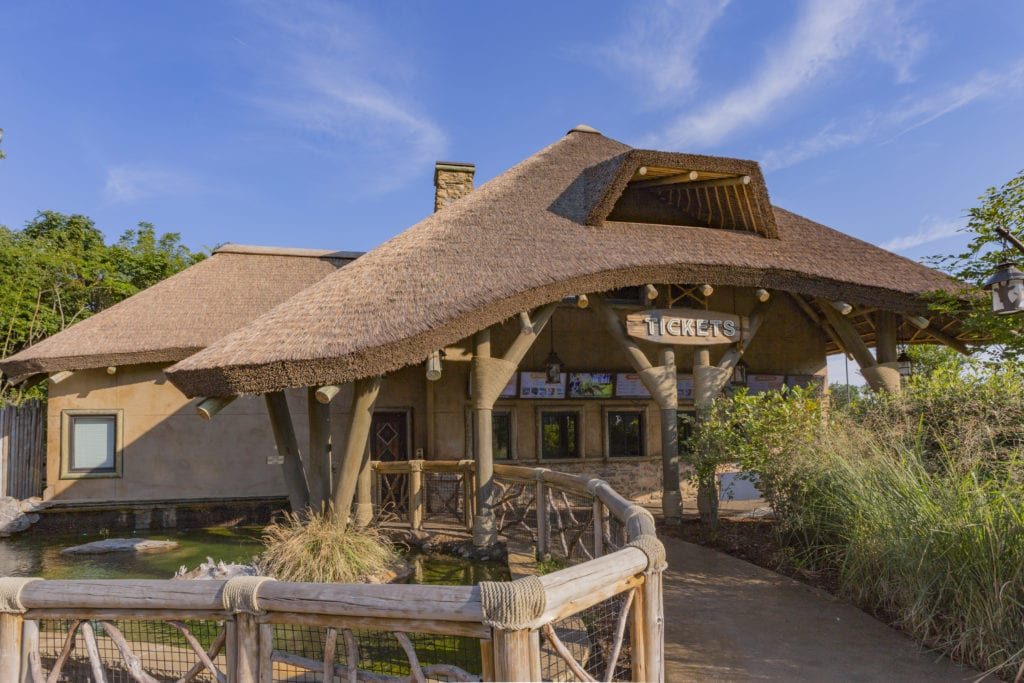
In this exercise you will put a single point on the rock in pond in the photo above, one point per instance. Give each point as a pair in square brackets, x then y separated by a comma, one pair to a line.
[121, 545]
[210, 570]
[16, 515]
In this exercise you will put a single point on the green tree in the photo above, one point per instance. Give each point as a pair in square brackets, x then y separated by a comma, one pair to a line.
[58, 270]
[1003, 206]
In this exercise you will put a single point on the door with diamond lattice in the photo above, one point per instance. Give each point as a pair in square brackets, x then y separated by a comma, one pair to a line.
[389, 441]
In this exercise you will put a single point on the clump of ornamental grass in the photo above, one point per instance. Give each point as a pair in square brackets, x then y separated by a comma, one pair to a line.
[321, 548]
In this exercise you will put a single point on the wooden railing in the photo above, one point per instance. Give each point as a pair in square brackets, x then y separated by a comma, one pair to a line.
[598, 618]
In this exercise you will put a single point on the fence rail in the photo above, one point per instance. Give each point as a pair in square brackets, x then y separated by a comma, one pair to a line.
[599, 618]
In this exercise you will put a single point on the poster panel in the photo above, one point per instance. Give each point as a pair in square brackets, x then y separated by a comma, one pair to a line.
[590, 385]
[628, 385]
[535, 385]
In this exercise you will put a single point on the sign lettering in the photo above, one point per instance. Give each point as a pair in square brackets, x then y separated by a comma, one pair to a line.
[687, 326]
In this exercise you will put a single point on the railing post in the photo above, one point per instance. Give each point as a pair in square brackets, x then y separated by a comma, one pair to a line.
[541, 495]
[598, 527]
[247, 650]
[516, 655]
[466, 467]
[10, 646]
[647, 637]
[416, 494]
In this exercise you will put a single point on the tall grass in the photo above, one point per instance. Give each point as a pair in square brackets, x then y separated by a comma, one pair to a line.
[317, 548]
[915, 503]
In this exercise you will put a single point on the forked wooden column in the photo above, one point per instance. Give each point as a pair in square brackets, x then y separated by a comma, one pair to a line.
[879, 376]
[319, 475]
[660, 381]
[356, 454]
[490, 376]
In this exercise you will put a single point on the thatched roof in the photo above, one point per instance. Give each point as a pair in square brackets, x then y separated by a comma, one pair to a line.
[175, 318]
[545, 229]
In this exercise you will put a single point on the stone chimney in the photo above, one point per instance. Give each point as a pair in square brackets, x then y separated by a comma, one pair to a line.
[452, 180]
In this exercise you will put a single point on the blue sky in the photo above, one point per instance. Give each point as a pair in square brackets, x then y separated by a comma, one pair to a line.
[317, 123]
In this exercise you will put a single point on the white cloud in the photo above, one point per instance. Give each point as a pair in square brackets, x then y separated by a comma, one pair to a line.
[826, 33]
[937, 230]
[659, 47]
[327, 70]
[910, 113]
[127, 183]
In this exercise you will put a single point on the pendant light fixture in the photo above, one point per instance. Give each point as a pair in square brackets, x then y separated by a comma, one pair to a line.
[553, 364]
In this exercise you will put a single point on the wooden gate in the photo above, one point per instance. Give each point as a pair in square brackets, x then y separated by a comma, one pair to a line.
[22, 449]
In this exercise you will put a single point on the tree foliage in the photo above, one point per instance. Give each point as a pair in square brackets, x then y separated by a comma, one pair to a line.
[59, 270]
[1004, 207]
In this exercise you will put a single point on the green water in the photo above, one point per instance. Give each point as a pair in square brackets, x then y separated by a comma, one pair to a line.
[34, 554]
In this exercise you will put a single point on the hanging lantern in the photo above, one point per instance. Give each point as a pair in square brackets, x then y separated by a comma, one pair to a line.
[904, 365]
[1007, 287]
[739, 373]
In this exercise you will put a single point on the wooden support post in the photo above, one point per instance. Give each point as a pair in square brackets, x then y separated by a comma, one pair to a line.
[880, 377]
[661, 383]
[266, 653]
[416, 494]
[648, 630]
[885, 336]
[814, 318]
[490, 375]
[29, 648]
[319, 416]
[288, 449]
[247, 650]
[543, 516]
[208, 407]
[516, 655]
[10, 646]
[356, 455]
[363, 514]
[468, 489]
[598, 527]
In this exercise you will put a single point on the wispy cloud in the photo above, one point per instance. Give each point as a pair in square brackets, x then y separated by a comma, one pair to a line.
[659, 46]
[936, 230]
[826, 33]
[326, 69]
[911, 112]
[128, 183]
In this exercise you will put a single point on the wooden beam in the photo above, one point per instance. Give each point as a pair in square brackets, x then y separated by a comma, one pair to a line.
[208, 407]
[319, 417]
[849, 335]
[825, 327]
[735, 352]
[684, 177]
[947, 339]
[612, 323]
[288, 449]
[326, 393]
[59, 377]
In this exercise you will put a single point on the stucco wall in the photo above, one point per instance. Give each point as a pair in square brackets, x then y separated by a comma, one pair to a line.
[169, 451]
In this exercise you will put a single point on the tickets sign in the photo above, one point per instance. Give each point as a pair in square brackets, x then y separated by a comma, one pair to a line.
[685, 326]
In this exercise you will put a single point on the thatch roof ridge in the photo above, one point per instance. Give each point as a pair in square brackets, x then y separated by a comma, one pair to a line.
[519, 241]
[261, 250]
[179, 315]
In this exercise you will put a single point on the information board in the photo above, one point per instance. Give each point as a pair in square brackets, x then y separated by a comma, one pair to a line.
[590, 385]
[535, 385]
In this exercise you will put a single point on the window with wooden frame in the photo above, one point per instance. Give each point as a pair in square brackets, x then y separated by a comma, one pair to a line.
[502, 433]
[560, 434]
[91, 443]
[625, 435]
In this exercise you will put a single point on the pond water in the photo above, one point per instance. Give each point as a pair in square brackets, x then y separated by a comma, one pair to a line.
[35, 554]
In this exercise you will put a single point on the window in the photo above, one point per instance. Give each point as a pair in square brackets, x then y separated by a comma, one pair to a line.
[502, 429]
[90, 444]
[560, 435]
[625, 433]
[501, 434]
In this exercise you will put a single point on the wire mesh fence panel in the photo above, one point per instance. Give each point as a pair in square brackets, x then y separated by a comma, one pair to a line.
[392, 497]
[166, 651]
[615, 534]
[516, 510]
[570, 525]
[595, 641]
[300, 652]
[445, 500]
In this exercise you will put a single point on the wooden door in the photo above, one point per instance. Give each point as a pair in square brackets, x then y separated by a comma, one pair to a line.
[389, 436]
[389, 441]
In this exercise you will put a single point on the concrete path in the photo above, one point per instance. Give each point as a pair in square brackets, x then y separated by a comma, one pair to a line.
[729, 620]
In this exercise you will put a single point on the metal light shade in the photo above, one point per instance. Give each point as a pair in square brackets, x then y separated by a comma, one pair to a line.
[1007, 287]
[904, 365]
[553, 369]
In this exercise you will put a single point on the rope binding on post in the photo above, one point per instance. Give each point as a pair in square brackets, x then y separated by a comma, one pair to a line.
[512, 605]
[240, 594]
[10, 593]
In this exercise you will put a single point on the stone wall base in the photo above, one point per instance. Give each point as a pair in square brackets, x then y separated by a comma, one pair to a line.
[72, 517]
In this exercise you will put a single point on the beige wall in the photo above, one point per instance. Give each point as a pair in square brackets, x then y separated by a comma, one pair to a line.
[170, 453]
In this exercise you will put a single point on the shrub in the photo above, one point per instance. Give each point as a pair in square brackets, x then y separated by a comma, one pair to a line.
[320, 549]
